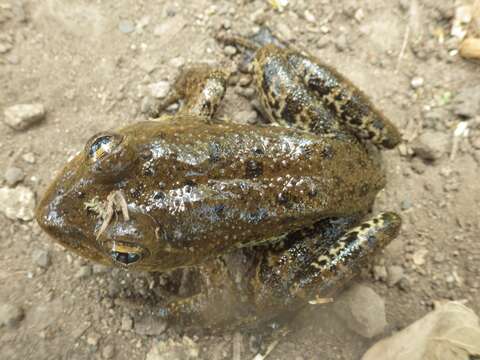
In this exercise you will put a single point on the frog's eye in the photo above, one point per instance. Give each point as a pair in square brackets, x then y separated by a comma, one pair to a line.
[102, 145]
[110, 156]
[126, 254]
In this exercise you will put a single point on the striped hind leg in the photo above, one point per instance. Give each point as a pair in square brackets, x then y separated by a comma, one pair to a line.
[313, 269]
[349, 103]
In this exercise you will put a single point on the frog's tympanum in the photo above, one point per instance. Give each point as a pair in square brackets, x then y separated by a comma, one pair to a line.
[270, 217]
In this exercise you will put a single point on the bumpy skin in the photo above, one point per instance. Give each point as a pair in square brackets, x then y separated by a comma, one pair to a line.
[268, 217]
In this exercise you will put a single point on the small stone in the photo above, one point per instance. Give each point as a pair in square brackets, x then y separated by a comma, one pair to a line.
[108, 352]
[126, 26]
[29, 157]
[99, 269]
[84, 272]
[285, 31]
[451, 332]
[419, 256]
[359, 15]
[395, 274]
[93, 339]
[431, 145]
[10, 315]
[159, 89]
[341, 43]
[21, 116]
[405, 284]
[230, 50]
[245, 80]
[362, 310]
[41, 258]
[309, 16]
[245, 117]
[406, 204]
[467, 102]
[177, 62]
[6, 43]
[17, 203]
[150, 326]
[127, 323]
[417, 82]
[380, 273]
[185, 349]
[13, 175]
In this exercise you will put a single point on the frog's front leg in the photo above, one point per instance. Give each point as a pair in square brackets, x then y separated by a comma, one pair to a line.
[201, 87]
[312, 270]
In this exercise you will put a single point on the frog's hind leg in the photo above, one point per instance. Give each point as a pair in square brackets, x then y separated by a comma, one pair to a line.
[312, 269]
[284, 97]
[352, 107]
[201, 87]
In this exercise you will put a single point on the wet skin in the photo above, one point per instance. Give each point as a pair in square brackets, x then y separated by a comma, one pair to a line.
[269, 217]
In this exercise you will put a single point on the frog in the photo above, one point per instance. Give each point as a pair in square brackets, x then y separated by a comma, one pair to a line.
[267, 217]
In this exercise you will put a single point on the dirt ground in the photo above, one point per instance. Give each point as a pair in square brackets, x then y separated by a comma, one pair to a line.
[91, 63]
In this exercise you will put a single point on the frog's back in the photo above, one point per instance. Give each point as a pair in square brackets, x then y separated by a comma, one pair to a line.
[211, 186]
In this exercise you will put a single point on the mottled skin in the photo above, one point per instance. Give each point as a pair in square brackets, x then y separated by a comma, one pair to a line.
[269, 217]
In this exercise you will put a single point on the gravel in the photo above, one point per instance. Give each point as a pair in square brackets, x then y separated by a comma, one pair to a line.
[22, 116]
[159, 89]
[13, 175]
[184, 349]
[362, 310]
[41, 258]
[10, 315]
[17, 203]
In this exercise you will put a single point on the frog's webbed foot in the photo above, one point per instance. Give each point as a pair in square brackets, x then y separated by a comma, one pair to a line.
[350, 105]
[312, 270]
[202, 89]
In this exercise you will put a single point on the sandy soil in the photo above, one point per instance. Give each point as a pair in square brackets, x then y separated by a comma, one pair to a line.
[90, 64]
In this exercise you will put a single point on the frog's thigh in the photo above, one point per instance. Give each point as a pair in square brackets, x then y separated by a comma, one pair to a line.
[348, 102]
[313, 270]
[287, 101]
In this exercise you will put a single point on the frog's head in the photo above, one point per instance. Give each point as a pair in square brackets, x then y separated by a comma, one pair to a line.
[91, 208]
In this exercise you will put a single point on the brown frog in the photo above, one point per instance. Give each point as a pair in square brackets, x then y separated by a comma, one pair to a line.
[269, 217]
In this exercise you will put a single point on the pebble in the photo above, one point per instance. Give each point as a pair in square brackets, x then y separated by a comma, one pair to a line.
[21, 116]
[10, 315]
[17, 203]
[380, 273]
[127, 323]
[395, 274]
[185, 349]
[431, 145]
[99, 269]
[406, 204]
[126, 26]
[363, 311]
[467, 102]
[230, 50]
[13, 175]
[341, 44]
[451, 331]
[41, 258]
[84, 272]
[159, 89]
[29, 157]
[245, 117]
[108, 352]
[6, 43]
[150, 326]
[309, 16]
[285, 31]
[417, 82]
